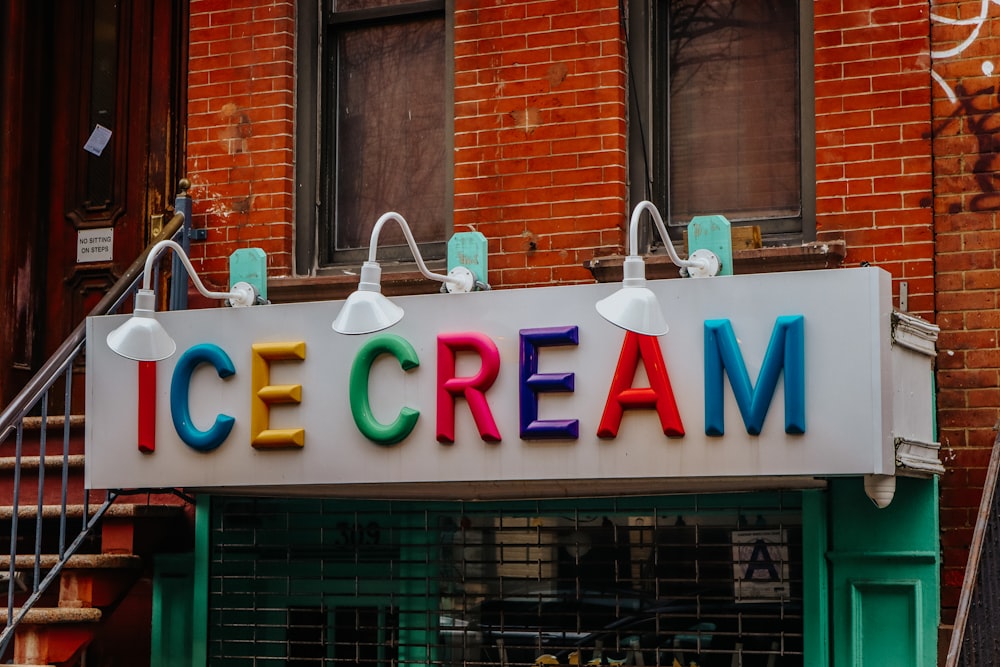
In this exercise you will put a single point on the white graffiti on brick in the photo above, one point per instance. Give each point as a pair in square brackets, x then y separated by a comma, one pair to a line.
[976, 23]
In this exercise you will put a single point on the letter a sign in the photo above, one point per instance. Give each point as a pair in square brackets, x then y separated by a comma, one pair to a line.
[760, 565]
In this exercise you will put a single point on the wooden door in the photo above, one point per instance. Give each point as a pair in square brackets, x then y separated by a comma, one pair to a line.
[91, 106]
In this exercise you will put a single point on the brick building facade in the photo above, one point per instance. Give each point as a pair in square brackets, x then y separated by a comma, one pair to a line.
[905, 102]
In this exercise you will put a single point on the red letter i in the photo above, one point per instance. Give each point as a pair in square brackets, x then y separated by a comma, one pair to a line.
[147, 407]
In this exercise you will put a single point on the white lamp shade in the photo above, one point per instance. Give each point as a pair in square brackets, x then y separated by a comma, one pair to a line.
[141, 338]
[635, 309]
[366, 311]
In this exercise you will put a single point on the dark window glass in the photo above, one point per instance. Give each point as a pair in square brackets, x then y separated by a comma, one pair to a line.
[384, 101]
[727, 112]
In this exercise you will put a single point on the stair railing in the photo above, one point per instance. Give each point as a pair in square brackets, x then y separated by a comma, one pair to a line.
[974, 641]
[33, 400]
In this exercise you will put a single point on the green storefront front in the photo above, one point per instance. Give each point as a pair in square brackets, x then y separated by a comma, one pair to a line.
[643, 580]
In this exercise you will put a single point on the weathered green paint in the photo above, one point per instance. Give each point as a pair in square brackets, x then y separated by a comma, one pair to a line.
[884, 574]
[815, 580]
[172, 627]
[468, 249]
[199, 597]
[179, 630]
[712, 232]
[418, 599]
[249, 265]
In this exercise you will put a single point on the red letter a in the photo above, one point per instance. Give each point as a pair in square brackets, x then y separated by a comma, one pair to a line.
[658, 395]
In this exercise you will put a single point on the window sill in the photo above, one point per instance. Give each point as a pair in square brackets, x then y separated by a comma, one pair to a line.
[405, 279]
[805, 257]
[396, 281]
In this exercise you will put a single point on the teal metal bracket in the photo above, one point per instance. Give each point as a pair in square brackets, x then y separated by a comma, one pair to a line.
[469, 249]
[249, 265]
[712, 232]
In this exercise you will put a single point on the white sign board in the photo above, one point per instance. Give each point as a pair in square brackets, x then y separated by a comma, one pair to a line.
[95, 245]
[506, 388]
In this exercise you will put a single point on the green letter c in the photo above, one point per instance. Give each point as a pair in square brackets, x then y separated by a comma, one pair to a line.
[361, 409]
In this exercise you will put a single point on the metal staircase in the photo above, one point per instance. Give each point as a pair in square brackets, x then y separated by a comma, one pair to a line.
[54, 531]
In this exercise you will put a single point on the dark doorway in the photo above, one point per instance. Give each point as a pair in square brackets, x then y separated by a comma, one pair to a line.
[91, 111]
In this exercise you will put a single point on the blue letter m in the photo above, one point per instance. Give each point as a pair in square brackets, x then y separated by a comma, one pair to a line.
[786, 351]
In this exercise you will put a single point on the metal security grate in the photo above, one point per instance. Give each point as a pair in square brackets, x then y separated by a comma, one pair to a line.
[687, 580]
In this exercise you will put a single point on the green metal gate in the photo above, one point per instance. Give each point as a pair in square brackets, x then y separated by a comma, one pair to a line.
[703, 580]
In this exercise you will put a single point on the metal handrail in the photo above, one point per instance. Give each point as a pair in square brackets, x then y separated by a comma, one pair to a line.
[35, 395]
[46, 376]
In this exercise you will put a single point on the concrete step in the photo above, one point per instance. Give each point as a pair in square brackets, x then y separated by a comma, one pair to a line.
[31, 469]
[76, 511]
[53, 635]
[73, 462]
[54, 434]
[55, 422]
[76, 562]
[32, 426]
[56, 615]
[86, 580]
[126, 528]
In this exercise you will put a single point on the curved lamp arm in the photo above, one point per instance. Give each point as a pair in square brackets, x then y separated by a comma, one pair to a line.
[242, 294]
[141, 337]
[701, 263]
[457, 281]
[366, 310]
[634, 307]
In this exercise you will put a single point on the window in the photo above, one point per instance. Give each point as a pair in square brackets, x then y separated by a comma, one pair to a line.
[382, 129]
[730, 113]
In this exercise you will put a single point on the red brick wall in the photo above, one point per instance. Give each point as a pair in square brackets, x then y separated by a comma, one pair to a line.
[540, 134]
[873, 123]
[967, 202]
[239, 130]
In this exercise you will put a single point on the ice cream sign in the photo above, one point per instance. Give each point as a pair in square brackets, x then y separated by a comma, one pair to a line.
[768, 375]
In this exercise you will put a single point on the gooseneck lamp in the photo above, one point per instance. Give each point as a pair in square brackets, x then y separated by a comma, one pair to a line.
[367, 310]
[634, 307]
[142, 337]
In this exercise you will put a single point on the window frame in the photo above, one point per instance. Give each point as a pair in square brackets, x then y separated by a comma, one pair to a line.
[314, 20]
[646, 139]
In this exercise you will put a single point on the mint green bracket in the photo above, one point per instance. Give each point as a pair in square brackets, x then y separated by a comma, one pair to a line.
[469, 249]
[712, 232]
[249, 265]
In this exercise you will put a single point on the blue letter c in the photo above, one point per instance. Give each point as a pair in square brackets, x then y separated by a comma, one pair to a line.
[203, 441]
